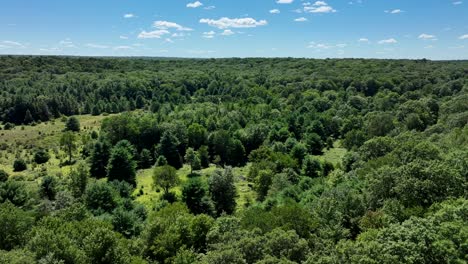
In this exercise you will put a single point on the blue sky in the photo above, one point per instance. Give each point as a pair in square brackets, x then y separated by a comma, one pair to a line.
[433, 29]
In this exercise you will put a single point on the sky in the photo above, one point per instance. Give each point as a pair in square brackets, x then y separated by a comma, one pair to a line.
[410, 29]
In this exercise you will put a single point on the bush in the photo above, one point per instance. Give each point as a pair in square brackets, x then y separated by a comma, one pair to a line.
[41, 156]
[3, 176]
[19, 165]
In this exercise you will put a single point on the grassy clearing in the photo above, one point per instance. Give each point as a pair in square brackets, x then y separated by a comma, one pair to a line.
[149, 195]
[334, 155]
[21, 141]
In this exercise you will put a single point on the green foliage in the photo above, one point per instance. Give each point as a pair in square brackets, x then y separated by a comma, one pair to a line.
[100, 198]
[168, 148]
[312, 167]
[19, 165]
[122, 166]
[48, 187]
[195, 196]
[165, 177]
[14, 225]
[14, 192]
[223, 191]
[79, 179]
[72, 124]
[99, 158]
[68, 143]
[41, 156]
[3, 176]
[146, 159]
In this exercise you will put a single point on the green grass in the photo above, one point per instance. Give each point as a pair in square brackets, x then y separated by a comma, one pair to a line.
[151, 195]
[22, 140]
[334, 155]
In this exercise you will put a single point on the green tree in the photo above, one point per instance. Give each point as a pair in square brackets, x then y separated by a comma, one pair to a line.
[223, 191]
[100, 198]
[41, 156]
[14, 226]
[165, 177]
[19, 165]
[72, 124]
[79, 179]
[68, 143]
[28, 119]
[191, 157]
[48, 187]
[312, 167]
[3, 176]
[195, 196]
[121, 165]
[204, 155]
[146, 159]
[99, 158]
[167, 147]
[197, 135]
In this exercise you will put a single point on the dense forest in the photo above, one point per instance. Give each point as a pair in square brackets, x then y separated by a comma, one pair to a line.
[142, 160]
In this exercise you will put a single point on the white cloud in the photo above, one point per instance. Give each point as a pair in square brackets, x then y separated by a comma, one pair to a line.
[123, 48]
[209, 35]
[96, 46]
[341, 45]
[164, 25]
[227, 32]
[427, 37]
[284, 1]
[13, 43]
[67, 44]
[318, 46]
[123, 37]
[363, 40]
[300, 19]
[463, 36]
[275, 11]
[457, 2]
[209, 7]
[394, 11]
[318, 7]
[224, 23]
[388, 41]
[194, 4]
[153, 34]
[200, 52]
[129, 16]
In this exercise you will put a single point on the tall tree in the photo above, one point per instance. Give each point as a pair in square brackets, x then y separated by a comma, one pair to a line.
[165, 177]
[72, 124]
[121, 165]
[168, 148]
[223, 191]
[67, 142]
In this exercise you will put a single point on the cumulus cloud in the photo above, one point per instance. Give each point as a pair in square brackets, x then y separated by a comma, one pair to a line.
[96, 46]
[388, 41]
[227, 32]
[363, 40]
[300, 19]
[129, 16]
[165, 25]
[153, 34]
[209, 7]
[318, 7]
[194, 4]
[275, 11]
[427, 37]
[225, 23]
[284, 1]
[209, 35]
[464, 36]
[123, 48]
[394, 11]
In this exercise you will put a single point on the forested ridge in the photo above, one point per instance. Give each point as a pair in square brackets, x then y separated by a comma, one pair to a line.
[141, 160]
